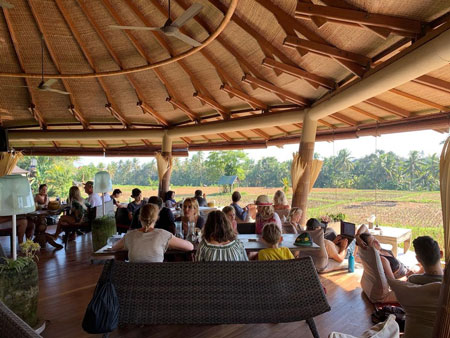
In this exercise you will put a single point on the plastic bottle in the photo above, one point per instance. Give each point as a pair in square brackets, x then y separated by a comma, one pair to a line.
[351, 263]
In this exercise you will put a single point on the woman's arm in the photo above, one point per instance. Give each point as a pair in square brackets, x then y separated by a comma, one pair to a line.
[387, 268]
[119, 245]
[180, 244]
[362, 229]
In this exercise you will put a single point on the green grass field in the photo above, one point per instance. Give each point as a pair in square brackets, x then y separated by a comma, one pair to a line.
[416, 210]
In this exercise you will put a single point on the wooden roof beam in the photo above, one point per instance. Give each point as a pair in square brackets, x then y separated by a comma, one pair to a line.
[419, 99]
[147, 142]
[400, 112]
[225, 137]
[146, 109]
[216, 106]
[78, 116]
[360, 17]
[254, 103]
[325, 123]
[299, 73]
[192, 116]
[363, 112]
[274, 89]
[109, 107]
[433, 82]
[326, 50]
[186, 140]
[260, 133]
[37, 115]
[243, 135]
[345, 119]
[103, 144]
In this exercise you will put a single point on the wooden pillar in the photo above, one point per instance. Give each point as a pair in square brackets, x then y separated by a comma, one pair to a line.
[442, 324]
[306, 151]
[166, 152]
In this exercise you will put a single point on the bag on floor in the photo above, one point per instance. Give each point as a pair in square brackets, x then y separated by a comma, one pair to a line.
[380, 315]
[102, 313]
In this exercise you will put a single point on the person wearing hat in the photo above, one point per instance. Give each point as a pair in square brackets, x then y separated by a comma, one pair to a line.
[136, 204]
[93, 199]
[265, 214]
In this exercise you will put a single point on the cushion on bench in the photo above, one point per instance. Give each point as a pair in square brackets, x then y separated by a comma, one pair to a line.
[218, 292]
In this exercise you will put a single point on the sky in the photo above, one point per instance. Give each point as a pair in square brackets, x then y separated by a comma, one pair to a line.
[401, 144]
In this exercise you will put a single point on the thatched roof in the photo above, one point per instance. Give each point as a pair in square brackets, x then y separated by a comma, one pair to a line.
[253, 67]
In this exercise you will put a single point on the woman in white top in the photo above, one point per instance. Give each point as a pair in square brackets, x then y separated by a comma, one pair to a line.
[148, 244]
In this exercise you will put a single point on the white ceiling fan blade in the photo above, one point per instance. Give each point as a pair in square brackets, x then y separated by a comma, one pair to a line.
[187, 15]
[6, 4]
[49, 82]
[183, 37]
[142, 28]
[47, 89]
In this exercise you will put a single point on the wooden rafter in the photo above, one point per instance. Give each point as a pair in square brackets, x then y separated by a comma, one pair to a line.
[433, 82]
[290, 25]
[76, 111]
[243, 135]
[282, 130]
[326, 50]
[225, 137]
[388, 107]
[146, 109]
[325, 123]
[37, 115]
[103, 144]
[363, 112]
[254, 103]
[419, 99]
[147, 143]
[87, 55]
[345, 119]
[359, 17]
[274, 89]
[299, 73]
[109, 107]
[298, 125]
[260, 133]
[186, 140]
[194, 117]
[216, 106]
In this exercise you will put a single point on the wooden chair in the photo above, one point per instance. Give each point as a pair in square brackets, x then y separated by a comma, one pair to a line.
[83, 227]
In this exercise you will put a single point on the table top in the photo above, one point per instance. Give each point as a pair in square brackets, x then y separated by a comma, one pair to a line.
[390, 232]
[47, 212]
[252, 242]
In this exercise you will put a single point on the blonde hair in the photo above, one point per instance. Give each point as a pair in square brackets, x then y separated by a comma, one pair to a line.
[266, 211]
[271, 233]
[227, 209]
[294, 211]
[148, 216]
[75, 195]
[280, 198]
[194, 204]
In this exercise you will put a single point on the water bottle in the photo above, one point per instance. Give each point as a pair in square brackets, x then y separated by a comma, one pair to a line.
[351, 263]
[179, 230]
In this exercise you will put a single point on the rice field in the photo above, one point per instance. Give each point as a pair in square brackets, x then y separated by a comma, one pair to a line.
[416, 210]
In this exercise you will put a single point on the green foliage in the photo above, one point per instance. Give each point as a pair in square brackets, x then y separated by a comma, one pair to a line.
[286, 184]
[337, 217]
[102, 228]
[29, 249]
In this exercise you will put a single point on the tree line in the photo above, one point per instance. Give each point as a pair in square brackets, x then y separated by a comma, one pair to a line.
[379, 170]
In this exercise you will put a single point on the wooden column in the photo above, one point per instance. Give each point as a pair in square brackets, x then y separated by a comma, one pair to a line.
[166, 152]
[306, 151]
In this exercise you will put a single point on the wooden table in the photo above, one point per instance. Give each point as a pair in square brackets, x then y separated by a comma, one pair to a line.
[40, 234]
[393, 236]
[251, 243]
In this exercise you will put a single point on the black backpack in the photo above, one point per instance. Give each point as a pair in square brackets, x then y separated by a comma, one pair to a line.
[380, 315]
[102, 313]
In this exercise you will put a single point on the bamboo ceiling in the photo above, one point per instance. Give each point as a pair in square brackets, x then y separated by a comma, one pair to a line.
[273, 56]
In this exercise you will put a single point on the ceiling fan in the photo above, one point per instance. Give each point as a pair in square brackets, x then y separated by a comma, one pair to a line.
[5, 4]
[173, 28]
[44, 86]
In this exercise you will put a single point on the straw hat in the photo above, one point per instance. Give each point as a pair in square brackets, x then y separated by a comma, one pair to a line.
[263, 200]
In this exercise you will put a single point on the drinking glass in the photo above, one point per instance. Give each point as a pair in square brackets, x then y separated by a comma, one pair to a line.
[179, 230]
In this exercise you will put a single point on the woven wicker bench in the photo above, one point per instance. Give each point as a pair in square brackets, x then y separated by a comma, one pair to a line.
[218, 292]
[11, 326]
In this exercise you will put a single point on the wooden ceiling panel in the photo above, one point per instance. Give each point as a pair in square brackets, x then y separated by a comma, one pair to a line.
[430, 94]
[405, 103]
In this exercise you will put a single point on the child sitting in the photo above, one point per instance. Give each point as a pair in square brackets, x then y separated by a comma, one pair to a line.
[272, 237]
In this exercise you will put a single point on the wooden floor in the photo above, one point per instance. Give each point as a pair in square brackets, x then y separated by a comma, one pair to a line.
[67, 281]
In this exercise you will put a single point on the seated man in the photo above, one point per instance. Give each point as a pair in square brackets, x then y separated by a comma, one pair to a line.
[200, 197]
[242, 214]
[429, 255]
[165, 220]
[336, 249]
[23, 226]
[135, 205]
[93, 199]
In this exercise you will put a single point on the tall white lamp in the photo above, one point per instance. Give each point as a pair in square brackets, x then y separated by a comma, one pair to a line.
[102, 184]
[15, 199]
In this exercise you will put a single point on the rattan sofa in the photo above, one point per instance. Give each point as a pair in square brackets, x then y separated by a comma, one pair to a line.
[218, 292]
[11, 326]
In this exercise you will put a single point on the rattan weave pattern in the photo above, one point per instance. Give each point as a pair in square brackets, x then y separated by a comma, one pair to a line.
[218, 292]
[11, 326]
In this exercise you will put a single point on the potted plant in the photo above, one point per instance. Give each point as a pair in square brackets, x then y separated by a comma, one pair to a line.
[19, 283]
[333, 221]
[102, 229]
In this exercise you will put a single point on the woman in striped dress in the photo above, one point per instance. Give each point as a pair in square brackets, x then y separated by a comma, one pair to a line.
[219, 241]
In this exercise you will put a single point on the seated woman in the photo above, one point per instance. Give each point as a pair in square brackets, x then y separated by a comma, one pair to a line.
[136, 204]
[336, 249]
[280, 201]
[169, 201]
[115, 198]
[77, 214]
[191, 214]
[219, 241]
[242, 214]
[393, 268]
[231, 215]
[292, 224]
[265, 214]
[41, 198]
[148, 244]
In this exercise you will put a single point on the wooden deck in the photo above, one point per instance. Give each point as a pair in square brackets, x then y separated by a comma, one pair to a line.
[67, 281]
